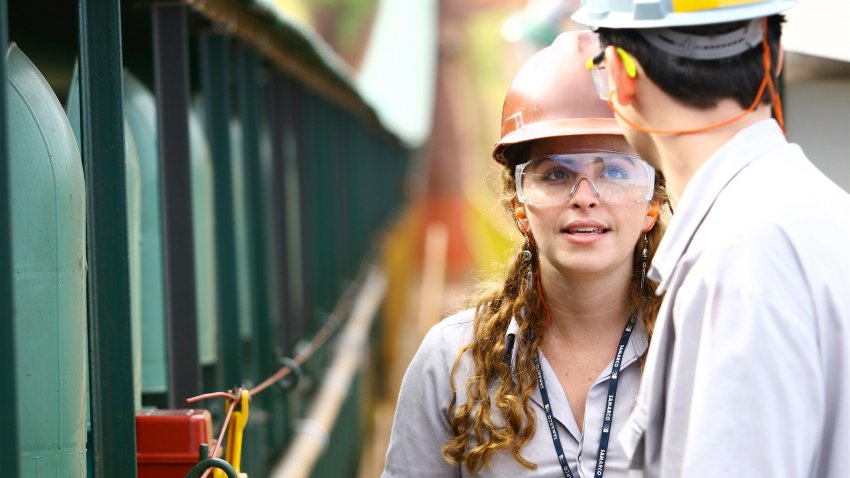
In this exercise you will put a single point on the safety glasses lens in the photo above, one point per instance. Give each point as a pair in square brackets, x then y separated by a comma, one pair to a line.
[614, 178]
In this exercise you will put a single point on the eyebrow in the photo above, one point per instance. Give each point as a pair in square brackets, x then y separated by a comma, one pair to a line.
[570, 162]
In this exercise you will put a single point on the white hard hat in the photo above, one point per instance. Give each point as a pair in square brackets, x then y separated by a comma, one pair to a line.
[640, 14]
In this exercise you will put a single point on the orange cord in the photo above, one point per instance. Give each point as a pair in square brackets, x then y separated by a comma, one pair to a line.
[207, 396]
[224, 425]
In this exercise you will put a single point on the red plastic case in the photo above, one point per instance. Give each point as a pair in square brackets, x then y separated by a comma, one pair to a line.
[167, 441]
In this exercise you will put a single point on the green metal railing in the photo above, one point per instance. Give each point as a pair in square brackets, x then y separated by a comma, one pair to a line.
[322, 177]
[9, 461]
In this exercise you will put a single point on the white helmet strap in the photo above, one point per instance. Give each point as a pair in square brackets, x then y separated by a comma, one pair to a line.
[703, 47]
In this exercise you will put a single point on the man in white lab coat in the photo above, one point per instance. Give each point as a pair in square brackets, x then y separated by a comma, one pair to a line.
[748, 372]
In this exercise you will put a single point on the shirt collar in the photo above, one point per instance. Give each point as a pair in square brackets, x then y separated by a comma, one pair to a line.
[702, 190]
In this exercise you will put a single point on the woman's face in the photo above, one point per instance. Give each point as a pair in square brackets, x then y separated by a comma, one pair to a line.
[585, 235]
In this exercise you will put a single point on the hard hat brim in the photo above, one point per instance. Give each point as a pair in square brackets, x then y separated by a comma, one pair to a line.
[619, 19]
[556, 128]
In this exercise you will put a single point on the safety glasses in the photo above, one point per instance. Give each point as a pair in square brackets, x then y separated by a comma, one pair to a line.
[614, 178]
[599, 71]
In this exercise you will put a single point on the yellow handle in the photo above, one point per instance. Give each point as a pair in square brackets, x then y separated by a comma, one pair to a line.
[238, 420]
[237, 426]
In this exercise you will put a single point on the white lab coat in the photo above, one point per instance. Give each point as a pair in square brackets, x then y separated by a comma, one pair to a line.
[748, 373]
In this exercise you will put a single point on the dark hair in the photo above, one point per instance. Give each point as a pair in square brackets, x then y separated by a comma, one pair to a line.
[701, 83]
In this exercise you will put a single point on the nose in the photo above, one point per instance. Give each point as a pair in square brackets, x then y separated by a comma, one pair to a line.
[584, 194]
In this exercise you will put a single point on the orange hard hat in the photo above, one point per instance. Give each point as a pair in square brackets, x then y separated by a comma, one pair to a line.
[553, 95]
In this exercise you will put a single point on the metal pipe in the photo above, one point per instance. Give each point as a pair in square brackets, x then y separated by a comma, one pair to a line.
[313, 432]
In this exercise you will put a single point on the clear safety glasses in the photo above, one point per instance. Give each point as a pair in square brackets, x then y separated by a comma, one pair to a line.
[615, 178]
[599, 72]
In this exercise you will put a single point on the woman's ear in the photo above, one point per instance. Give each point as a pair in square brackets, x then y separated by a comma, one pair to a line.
[521, 218]
[651, 216]
[624, 83]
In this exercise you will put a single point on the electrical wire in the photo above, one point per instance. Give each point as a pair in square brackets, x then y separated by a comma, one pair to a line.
[224, 426]
[325, 332]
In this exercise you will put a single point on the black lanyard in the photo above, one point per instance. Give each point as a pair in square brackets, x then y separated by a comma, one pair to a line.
[609, 407]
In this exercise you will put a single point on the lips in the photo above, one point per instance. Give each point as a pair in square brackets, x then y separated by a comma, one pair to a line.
[585, 228]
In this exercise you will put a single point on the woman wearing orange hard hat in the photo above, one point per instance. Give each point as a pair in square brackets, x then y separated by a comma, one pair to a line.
[537, 376]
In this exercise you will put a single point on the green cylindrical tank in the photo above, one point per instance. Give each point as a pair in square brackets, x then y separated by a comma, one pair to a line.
[48, 257]
[203, 225]
[133, 187]
[240, 222]
[140, 117]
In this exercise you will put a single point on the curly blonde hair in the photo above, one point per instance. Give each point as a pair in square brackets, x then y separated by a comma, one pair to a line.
[477, 433]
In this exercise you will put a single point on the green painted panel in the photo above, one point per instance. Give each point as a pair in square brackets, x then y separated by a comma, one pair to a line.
[203, 224]
[140, 117]
[48, 257]
[133, 186]
[240, 222]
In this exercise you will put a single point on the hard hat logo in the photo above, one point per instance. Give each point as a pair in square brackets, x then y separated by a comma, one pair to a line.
[513, 123]
[673, 13]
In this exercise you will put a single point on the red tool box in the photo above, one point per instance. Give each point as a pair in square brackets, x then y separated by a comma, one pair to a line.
[167, 441]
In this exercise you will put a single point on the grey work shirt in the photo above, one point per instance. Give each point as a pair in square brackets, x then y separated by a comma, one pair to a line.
[421, 427]
[748, 373]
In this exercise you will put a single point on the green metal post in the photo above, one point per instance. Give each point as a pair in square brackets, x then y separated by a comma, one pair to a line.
[110, 327]
[337, 209]
[277, 111]
[9, 412]
[356, 196]
[248, 64]
[215, 82]
[306, 131]
[171, 75]
[248, 95]
[293, 144]
[323, 237]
